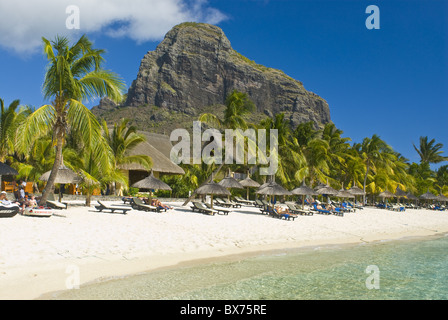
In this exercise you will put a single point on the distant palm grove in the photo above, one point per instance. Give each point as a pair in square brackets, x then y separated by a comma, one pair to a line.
[34, 141]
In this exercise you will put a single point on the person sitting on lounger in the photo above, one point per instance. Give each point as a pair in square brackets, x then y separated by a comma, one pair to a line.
[4, 200]
[282, 210]
[29, 202]
[318, 206]
[157, 203]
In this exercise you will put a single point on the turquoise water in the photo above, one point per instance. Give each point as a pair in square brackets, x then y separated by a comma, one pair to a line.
[407, 269]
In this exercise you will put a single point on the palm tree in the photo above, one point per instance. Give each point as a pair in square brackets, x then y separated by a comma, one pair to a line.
[238, 106]
[95, 168]
[430, 152]
[9, 122]
[121, 140]
[315, 151]
[375, 153]
[73, 75]
[290, 159]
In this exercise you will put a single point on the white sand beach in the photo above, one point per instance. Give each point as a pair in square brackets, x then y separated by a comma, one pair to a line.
[42, 255]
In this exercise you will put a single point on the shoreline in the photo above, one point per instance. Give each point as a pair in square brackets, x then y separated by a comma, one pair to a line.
[53, 272]
[232, 257]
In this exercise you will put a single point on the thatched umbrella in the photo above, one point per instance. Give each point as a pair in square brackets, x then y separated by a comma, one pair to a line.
[327, 190]
[249, 183]
[428, 196]
[230, 183]
[6, 170]
[356, 191]
[212, 188]
[65, 175]
[151, 183]
[345, 194]
[386, 194]
[410, 196]
[304, 190]
[442, 198]
[400, 193]
[273, 189]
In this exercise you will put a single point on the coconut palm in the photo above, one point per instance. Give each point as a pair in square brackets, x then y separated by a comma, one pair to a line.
[10, 118]
[95, 167]
[316, 152]
[238, 106]
[375, 153]
[290, 158]
[430, 152]
[122, 140]
[74, 75]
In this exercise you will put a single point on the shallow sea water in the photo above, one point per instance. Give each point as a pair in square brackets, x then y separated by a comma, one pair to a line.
[399, 270]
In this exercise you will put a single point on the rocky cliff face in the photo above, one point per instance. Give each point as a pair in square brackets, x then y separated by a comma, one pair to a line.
[193, 70]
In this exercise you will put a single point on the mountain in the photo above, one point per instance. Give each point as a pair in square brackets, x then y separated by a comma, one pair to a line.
[193, 70]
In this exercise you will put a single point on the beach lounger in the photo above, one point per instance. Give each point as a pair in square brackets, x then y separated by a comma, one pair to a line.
[57, 205]
[103, 206]
[258, 204]
[275, 214]
[356, 206]
[138, 204]
[321, 210]
[38, 212]
[8, 210]
[241, 200]
[224, 211]
[220, 202]
[231, 203]
[200, 207]
[296, 210]
[127, 199]
[265, 209]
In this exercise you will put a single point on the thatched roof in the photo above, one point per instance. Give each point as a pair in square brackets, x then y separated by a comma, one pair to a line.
[6, 170]
[150, 182]
[428, 196]
[213, 188]
[230, 182]
[386, 194]
[327, 190]
[345, 194]
[400, 193]
[161, 163]
[248, 182]
[303, 190]
[159, 141]
[356, 191]
[273, 189]
[65, 175]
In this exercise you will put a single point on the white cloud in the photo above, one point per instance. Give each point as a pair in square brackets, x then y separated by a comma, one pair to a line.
[24, 22]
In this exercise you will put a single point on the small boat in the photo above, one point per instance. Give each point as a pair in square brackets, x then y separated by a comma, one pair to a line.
[38, 212]
[8, 210]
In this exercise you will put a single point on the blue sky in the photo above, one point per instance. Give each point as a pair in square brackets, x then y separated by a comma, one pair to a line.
[392, 81]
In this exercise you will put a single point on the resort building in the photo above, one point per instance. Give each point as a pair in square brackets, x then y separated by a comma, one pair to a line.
[158, 147]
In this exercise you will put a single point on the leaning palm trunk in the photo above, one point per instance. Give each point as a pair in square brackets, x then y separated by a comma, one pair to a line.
[54, 171]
